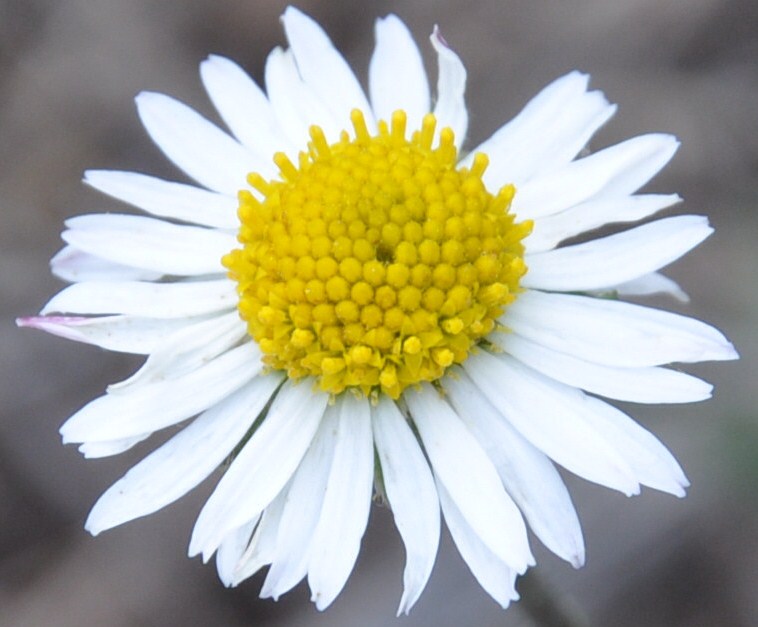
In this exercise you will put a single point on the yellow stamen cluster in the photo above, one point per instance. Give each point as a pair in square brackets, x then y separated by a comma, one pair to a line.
[375, 264]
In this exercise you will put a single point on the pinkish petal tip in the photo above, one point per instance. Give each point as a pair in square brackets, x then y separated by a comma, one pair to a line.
[437, 34]
[62, 326]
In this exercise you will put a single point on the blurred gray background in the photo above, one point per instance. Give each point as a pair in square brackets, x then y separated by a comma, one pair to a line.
[68, 73]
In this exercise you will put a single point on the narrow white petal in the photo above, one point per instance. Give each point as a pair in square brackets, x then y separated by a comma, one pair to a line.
[262, 548]
[638, 385]
[492, 573]
[539, 112]
[302, 510]
[74, 265]
[550, 231]
[412, 495]
[653, 283]
[108, 448]
[144, 299]
[323, 68]
[187, 349]
[295, 105]
[650, 460]
[450, 109]
[396, 75]
[344, 514]
[231, 550]
[150, 244]
[167, 199]
[550, 417]
[616, 171]
[569, 133]
[154, 406]
[185, 460]
[263, 466]
[470, 477]
[199, 148]
[614, 333]
[548, 133]
[528, 475]
[243, 106]
[124, 334]
[617, 258]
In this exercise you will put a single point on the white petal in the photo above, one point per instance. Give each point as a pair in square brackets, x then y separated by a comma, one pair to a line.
[263, 466]
[464, 469]
[550, 231]
[323, 68]
[154, 406]
[185, 460]
[74, 265]
[262, 547]
[653, 283]
[301, 511]
[231, 550]
[187, 349]
[295, 105]
[614, 333]
[412, 495]
[95, 450]
[144, 299]
[198, 147]
[528, 475]
[616, 258]
[244, 107]
[548, 133]
[450, 109]
[344, 514]
[550, 417]
[396, 75]
[167, 199]
[150, 244]
[492, 573]
[124, 334]
[616, 171]
[638, 385]
[650, 460]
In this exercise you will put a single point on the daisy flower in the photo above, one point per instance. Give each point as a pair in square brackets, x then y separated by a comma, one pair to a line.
[348, 305]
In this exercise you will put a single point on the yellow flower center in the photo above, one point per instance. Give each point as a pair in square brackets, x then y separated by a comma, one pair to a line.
[375, 264]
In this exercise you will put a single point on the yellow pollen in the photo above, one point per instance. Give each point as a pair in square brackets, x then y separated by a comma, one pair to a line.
[375, 263]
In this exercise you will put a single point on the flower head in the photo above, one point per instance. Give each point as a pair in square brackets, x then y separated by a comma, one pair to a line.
[348, 303]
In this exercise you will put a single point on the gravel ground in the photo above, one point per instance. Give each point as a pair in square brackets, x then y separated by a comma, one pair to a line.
[68, 73]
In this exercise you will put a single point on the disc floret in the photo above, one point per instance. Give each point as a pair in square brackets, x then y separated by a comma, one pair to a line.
[374, 263]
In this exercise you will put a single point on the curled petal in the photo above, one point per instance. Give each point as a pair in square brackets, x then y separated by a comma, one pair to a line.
[450, 109]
